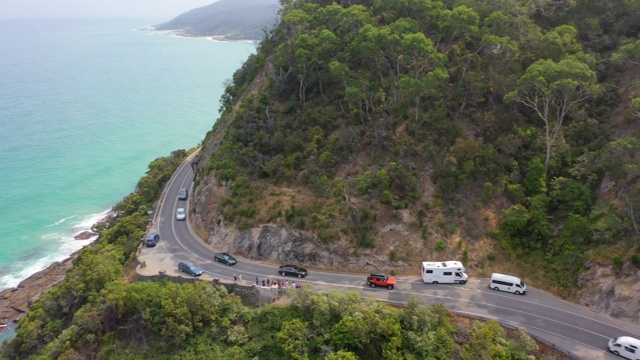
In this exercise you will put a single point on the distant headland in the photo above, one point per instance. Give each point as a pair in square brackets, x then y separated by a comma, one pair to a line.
[226, 20]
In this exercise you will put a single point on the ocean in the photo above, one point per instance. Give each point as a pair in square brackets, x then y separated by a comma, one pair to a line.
[85, 105]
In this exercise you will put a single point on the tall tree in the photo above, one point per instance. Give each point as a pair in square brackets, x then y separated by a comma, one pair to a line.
[552, 89]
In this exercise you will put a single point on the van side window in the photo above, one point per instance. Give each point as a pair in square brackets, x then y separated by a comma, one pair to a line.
[447, 273]
[502, 282]
[630, 349]
[429, 271]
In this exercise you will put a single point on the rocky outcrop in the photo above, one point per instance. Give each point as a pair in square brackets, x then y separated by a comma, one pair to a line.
[85, 235]
[283, 245]
[612, 292]
[16, 301]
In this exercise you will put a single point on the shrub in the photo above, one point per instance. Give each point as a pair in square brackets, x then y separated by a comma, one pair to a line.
[491, 256]
[617, 261]
[441, 245]
[387, 198]
[393, 255]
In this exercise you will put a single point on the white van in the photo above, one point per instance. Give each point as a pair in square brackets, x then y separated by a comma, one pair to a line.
[507, 283]
[443, 272]
[625, 346]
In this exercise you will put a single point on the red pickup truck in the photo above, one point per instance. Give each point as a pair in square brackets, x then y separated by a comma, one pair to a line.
[380, 279]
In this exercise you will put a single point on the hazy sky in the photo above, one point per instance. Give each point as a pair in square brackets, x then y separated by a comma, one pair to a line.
[98, 8]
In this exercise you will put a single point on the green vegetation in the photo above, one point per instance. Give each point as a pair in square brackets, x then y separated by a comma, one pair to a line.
[162, 320]
[524, 110]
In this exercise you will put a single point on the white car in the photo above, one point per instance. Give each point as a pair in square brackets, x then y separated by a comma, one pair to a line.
[181, 214]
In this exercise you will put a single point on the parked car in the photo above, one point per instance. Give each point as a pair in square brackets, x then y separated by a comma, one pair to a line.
[183, 194]
[292, 270]
[380, 279]
[225, 258]
[190, 268]
[181, 214]
[152, 239]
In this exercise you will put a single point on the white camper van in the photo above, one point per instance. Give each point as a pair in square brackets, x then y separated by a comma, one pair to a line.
[443, 272]
[507, 283]
[625, 346]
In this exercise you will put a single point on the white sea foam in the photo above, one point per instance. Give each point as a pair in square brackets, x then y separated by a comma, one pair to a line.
[90, 220]
[61, 221]
[66, 244]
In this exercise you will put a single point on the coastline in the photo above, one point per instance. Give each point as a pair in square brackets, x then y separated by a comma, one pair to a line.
[15, 301]
[183, 34]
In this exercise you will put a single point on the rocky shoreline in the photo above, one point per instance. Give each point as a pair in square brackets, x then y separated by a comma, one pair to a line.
[14, 302]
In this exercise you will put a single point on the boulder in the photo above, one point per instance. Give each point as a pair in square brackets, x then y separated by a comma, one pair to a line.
[85, 235]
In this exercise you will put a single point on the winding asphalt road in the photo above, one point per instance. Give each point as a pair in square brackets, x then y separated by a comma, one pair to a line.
[578, 331]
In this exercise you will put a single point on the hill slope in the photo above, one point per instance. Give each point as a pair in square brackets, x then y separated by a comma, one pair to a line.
[232, 19]
[373, 135]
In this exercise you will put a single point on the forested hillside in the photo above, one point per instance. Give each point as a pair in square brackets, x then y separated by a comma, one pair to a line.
[500, 133]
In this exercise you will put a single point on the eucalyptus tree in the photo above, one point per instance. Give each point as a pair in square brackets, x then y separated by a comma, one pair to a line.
[551, 89]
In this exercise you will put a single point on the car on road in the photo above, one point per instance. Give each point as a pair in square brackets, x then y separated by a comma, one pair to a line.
[625, 346]
[381, 279]
[183, 194]
[292, 270]
[189, 268]
[225, 258]
[181, 214]
[512, 284]
[152, 239]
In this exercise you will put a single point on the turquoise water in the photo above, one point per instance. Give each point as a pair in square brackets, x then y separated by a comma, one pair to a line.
[85, 105]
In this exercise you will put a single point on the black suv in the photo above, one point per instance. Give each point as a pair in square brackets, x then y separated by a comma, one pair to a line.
[225, 258]
[183, 194]
[152, 239]
[189, 268]
[292, 270]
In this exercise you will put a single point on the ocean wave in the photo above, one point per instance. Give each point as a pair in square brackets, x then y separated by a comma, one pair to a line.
[89, 220]
[61, 221]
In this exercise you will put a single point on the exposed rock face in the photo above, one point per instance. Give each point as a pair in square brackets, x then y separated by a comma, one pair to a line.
[85, 235]
[293, 246]
[617, 294]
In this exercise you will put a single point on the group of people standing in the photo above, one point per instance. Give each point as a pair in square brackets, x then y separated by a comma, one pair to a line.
[269, 282]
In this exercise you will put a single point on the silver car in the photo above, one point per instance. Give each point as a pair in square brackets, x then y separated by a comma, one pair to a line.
[181, 214]
[183, 194]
